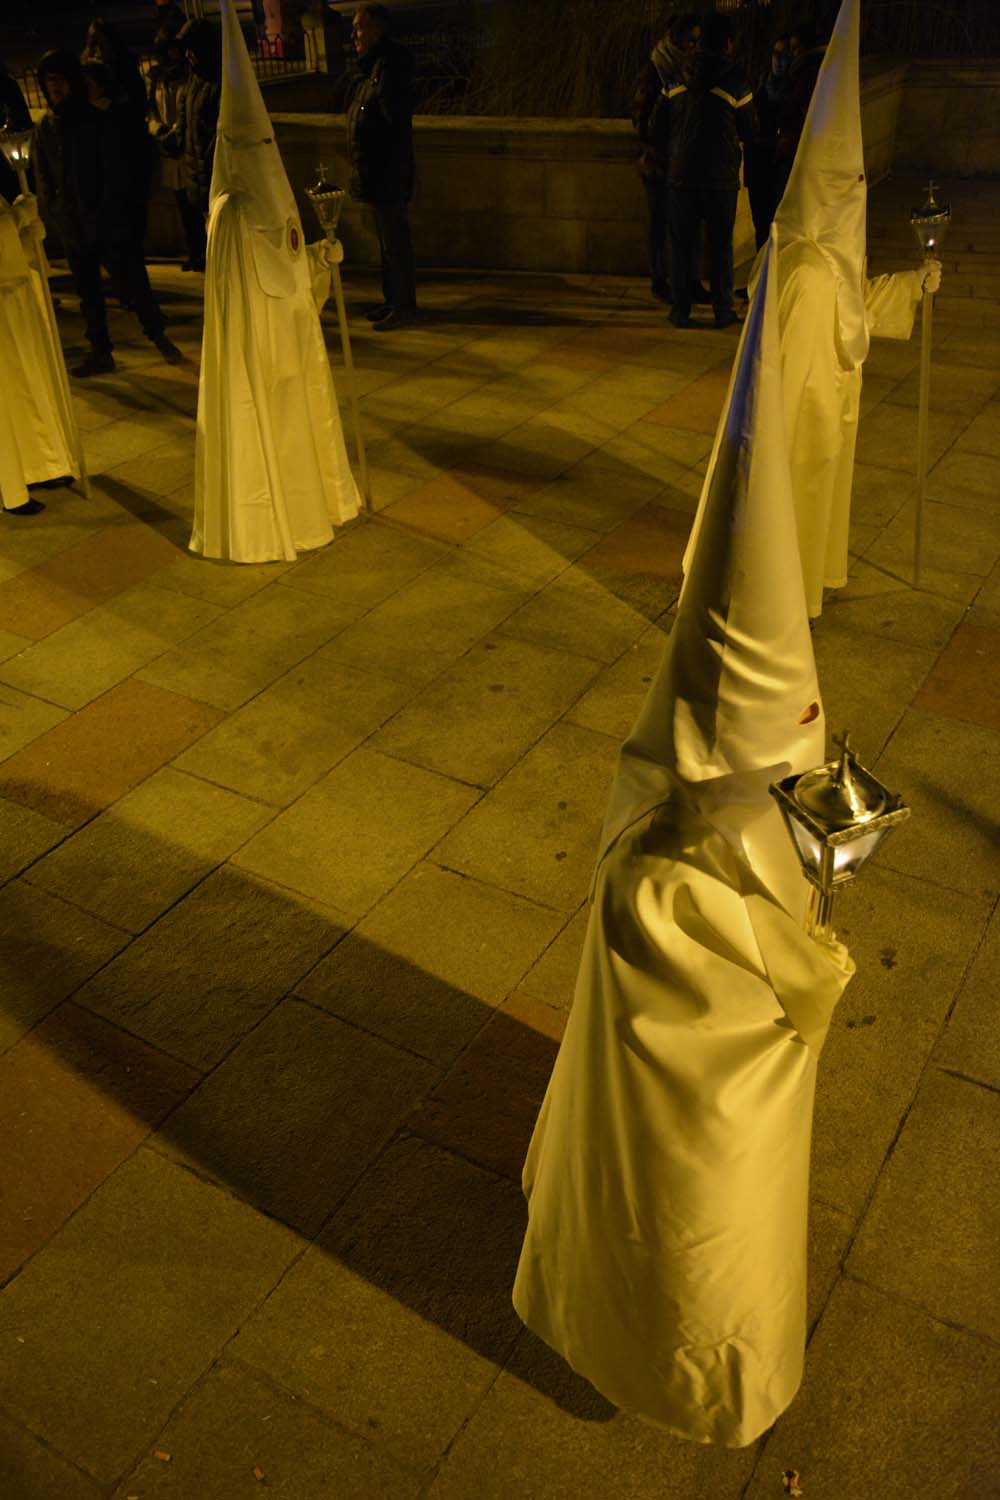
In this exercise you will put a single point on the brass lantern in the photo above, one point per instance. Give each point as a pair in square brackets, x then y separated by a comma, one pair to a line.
[327, 200]
[837, 816]
[930, 223]
[16, 148]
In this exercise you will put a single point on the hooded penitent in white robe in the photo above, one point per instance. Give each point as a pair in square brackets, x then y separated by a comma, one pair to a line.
[37, 433]
[271, 471]
[667, 1178]
[827, 309]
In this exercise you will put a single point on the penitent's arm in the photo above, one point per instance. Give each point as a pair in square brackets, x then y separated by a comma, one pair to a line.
[891, 301]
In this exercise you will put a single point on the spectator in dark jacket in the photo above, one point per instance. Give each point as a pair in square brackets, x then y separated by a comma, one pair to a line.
[86, 176]
[123, 85]
[806, 53]
[199, 118]
[711, 116]
[14, 113]
[168, 80]
[760, 160]
[380, 143]
[672, 61]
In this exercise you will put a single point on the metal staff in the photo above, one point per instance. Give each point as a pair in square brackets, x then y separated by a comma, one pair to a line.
[929, 222]
[16, 147]
[328, 200]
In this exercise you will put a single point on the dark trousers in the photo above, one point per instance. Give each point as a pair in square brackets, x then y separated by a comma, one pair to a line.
[658, 199]
[127, 269]
[762, 190]
[396, 249]
[193, 222]
[690, 207]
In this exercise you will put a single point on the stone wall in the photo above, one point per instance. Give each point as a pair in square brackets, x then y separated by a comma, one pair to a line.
[949, 122]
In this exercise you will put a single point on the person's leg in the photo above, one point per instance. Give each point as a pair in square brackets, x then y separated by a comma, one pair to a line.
[128, 262]
[193, 225]
[85, 266]
[683, 215]
[396, 245]
[719, 207]
[659, 234]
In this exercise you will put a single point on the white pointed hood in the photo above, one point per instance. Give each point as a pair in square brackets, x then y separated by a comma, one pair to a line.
[248, 166]
[736, 701]
[826, 198]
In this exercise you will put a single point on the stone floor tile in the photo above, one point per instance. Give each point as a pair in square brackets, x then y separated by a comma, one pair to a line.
[443, 508]
[113, 444]
[11, 643]
[541, 449]
[358, 831]
[423, 628]
[540, 1424]
[677, 443]
[955, 540]
[35, 606]
[878, 495]
[892, 1405]
[640, 562]
[881, 439]
[292, 1118]
[217, 580]
[982, 435]
[970, 1043]
[578, 613]
[530, 549]
[84, 658]
[961, 479]
[932, 1231]
[552, 979]
[877, 602]
[954, 388]
[291, 734]
[30, 1470]
[598, 498]
[486, 1105]
[207, 972]
[126, 1307]
[962, 683]
[396, 1319]
[613, 409]
[830, 1235]
[235, 1431]
[23, 718]
[697, 407]
[536, 832]
[147, 851]
[88, 761]
[77, 1096]
[480, 716]
[463, 946]
[611, 704]
[365, 565]
[24, 837]
[109, 562]
[871, 703]
[911, 948]
[47, 949]
[951, 838]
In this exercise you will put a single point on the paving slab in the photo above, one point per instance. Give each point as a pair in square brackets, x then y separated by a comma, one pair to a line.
[870, 704]
[970, 1044]
[981, 436]
[530, 549]
[353, 835]
[540, 1424]
[397, 1318]
[892, 1405]
[552, 978]
[881, 439]
[24, 837]
[293, 1116]
[536, 832]
[10, 642]
[962, 682]
[77, 1096]
[237, 1433]
[48, 948]
[218, 581]
[932, 1233]
[275, 747]
[23, 717]
[877, 601]
[912, 944]
[147, 851]
[640, 562]
[577, 613]
[209, 970]
[611, 704]
[477, 719]
[86, 762]
[110, 1324]
[949, 773]
[364, 565]
[31, 1471]
[598, 495]
[963, 479]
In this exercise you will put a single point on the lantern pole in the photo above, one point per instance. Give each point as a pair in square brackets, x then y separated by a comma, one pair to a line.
[929, 223]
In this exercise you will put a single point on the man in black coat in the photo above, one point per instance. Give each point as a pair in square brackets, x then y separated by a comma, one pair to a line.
[711, 118]
[380, 143]
[86, 174]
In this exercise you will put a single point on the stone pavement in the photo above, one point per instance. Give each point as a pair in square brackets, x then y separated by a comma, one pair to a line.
[295, 862]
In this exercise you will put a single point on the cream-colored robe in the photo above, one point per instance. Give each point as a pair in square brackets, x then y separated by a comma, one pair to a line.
[822, 391]
[35, 441]
[668, 1174]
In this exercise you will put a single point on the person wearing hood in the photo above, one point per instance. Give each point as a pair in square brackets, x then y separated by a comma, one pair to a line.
[271, 470]
[88, 181]
[671, 61]
[711, 116]
[829, 308]
[668, 1175]
[194, 135]
[380, 146]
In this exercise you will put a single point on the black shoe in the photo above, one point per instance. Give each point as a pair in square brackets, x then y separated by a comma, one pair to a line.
[31, 507]
[395, 318]
[726, 320]
[678, 322]
[701, 294]
[169, 350]
[378, 311]
[661, 291]
[95, 363]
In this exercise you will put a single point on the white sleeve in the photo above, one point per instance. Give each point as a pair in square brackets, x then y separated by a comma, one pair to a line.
[891, 303]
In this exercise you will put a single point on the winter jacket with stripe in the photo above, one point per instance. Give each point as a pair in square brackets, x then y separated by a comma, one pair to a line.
[710, 117]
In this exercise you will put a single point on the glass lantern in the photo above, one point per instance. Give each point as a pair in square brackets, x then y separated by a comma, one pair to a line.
[16, 147]
[930, 223]
[327, 200]
[837, 816]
